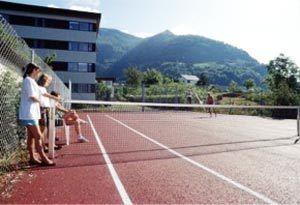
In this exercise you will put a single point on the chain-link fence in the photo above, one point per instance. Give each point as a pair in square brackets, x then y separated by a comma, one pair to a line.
[14, 55]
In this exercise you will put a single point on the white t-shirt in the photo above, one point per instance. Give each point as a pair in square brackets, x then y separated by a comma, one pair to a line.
[29, 109]
[45, 101]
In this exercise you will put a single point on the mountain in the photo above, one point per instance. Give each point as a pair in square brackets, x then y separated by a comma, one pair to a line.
[188, 54]
[113, 45]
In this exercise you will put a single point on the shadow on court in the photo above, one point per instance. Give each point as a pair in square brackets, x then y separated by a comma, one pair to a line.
[95, 159]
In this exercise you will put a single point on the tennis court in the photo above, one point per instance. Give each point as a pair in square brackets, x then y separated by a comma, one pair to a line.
[175, 156]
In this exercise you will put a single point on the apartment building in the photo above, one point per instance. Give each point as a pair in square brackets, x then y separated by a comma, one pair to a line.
[70, 35]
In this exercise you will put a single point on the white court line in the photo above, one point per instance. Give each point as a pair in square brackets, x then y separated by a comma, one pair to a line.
[117, 181]
[228, 180]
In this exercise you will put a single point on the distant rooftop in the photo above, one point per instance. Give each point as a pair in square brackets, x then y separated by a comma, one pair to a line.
[190, 77]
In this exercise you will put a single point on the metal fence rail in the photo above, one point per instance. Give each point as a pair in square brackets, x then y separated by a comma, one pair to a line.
[14, 55]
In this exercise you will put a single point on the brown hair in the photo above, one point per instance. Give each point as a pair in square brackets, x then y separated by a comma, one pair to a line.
[43, 79]
[56, 94]
[29, 68]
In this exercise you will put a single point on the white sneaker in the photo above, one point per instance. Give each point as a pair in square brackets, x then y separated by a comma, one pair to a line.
[82, 139]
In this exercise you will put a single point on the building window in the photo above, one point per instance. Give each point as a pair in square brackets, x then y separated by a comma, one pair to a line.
[61, 45]
[57, 45]
[79, 46]
[73, 25]
[84, 26]
[83, 47]
[72, 67]
[26, 21]
[92, 47]
[39, 22]
[82, 67]
[50, 23]
[59, 66]
[39, 44]
[74, 88]
[30, 43]
[92, 27]
[91, 67]
[73, 46]
[83, 88]
[6, 17]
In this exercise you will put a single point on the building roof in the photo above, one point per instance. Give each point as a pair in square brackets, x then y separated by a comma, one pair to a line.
[190, 77]
[49, 10]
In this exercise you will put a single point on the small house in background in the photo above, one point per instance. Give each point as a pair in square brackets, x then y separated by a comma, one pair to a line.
[189, 79]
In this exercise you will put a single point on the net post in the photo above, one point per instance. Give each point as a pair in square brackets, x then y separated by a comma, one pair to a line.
[70, 91]
[143, 95]
[52, 129]
[176, 95]
[67, 128]
[67, 133]
[298, 122]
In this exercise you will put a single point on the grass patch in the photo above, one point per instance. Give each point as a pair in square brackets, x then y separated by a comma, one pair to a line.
[15, 160]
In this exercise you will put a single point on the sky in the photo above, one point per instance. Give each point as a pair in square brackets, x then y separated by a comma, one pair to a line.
[263, 28]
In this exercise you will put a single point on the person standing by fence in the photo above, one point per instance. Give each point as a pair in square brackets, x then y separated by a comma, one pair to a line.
[29, 114]
[44, 82]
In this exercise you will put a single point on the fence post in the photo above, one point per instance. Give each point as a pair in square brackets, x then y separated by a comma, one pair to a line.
[298, 126]
[176, 95]
[52, 132]
[32, 55]
[298, 122]
[70, 90]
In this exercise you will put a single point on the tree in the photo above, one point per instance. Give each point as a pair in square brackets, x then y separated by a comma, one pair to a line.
[133, 76]
[103, 92]
[152, 77]
[233, 87]
[249, 84]
[282, 80]
[203, 80]
[49, 59]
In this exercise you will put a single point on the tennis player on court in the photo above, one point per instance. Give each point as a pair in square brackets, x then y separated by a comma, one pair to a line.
[29, 115]
[210, 101]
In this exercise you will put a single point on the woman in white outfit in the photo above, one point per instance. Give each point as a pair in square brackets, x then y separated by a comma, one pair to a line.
[29, 114]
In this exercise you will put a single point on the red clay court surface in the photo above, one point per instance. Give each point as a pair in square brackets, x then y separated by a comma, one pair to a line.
[167, 158]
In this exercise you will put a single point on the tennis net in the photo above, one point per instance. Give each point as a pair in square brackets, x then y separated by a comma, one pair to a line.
[144, 131]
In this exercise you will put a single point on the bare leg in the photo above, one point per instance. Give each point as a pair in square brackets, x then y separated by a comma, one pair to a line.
[30, 147]
[37, 135]
[77, 127]
[44, 132]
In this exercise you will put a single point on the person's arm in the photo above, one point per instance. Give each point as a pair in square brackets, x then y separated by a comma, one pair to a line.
[51, 96]
[35, 99]
[61, 108]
